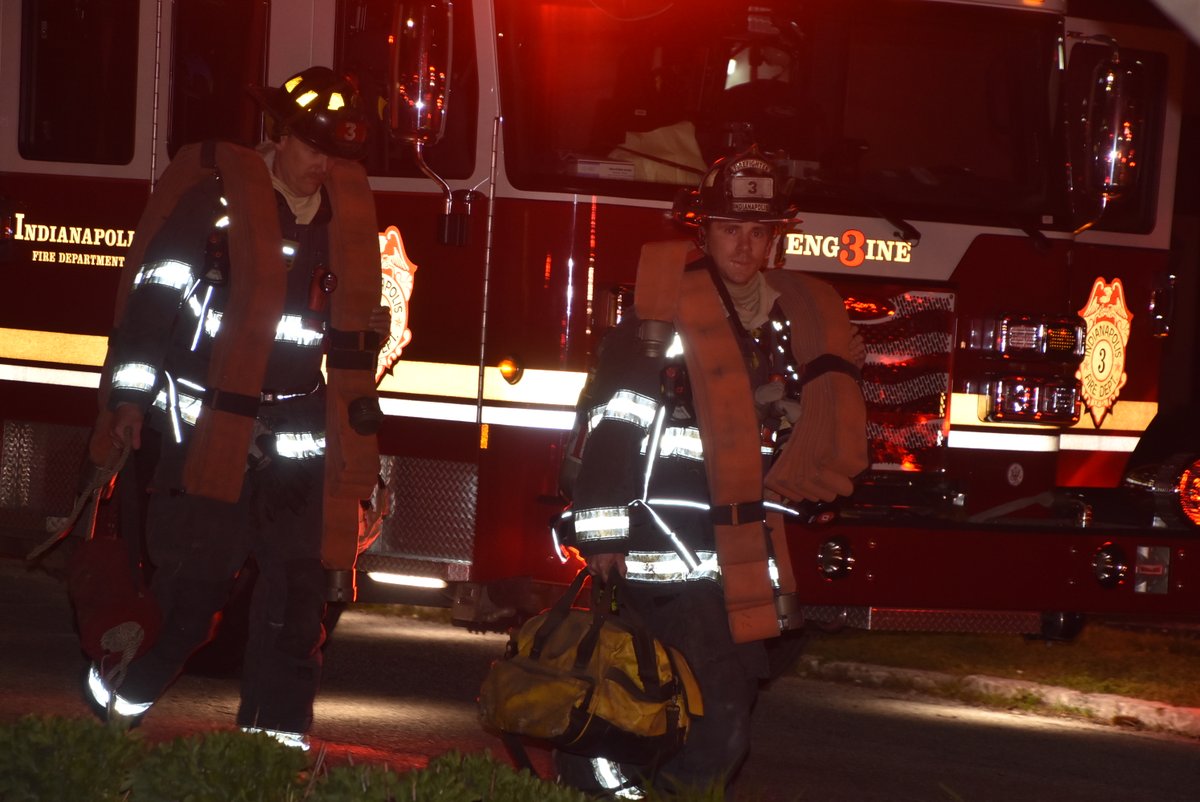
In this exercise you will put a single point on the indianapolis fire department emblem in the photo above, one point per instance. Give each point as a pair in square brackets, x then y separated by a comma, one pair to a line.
[398, 273]
[1102, 371]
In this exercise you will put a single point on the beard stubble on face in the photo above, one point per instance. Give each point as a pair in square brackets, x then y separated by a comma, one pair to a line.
[300, 167]
[738, 257]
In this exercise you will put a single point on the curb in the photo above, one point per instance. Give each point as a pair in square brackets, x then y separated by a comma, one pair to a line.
[1104, 708]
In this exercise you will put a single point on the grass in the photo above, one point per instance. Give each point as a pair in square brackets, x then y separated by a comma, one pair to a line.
[1155, 666]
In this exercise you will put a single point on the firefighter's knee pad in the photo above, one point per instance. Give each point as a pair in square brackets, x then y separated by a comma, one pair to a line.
[302, 633]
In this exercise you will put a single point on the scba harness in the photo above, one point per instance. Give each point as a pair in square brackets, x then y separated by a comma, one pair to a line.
[224, 424]
[827, 445]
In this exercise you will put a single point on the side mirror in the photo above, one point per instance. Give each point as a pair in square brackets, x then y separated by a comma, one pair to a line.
[420, 51]
[419, 59]
[1106, 126]
[1114, 126]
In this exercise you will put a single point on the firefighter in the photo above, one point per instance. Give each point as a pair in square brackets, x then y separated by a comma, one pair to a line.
[200, 310]
[659, 428]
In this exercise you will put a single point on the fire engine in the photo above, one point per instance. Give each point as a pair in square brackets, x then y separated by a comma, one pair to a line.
[990, 184]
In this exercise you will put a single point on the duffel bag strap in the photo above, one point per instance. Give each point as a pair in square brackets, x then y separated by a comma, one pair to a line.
[556, 615]
[625, 608]
[587, 644]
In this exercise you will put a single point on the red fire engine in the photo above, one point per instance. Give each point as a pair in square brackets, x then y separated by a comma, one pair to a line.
[989, 183]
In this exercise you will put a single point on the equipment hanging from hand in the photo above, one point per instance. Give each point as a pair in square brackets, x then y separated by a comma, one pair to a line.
[591, 682]
[116, 616]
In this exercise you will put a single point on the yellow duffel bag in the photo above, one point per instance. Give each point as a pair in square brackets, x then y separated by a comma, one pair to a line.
[592, 682]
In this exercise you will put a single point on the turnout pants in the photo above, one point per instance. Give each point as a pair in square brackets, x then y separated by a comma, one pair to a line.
[691, 617]
[198, 547]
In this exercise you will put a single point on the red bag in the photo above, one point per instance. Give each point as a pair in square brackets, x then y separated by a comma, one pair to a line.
[116, 616]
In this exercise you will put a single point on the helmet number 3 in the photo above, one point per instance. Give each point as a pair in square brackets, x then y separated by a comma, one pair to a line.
[751, 187]
[350, 131]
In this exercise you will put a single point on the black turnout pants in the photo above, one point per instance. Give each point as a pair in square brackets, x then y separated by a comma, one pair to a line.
[691, 617]
[198, 546]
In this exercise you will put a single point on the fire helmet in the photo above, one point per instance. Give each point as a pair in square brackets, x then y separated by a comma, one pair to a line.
[321, 108]
[750, 186]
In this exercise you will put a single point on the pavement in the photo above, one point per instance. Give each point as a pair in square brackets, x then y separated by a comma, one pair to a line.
[1104, 708]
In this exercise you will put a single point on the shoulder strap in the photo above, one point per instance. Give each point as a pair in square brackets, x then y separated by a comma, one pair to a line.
[351, 455]
[216, 461]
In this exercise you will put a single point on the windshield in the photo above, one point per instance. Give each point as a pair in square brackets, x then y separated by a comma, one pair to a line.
[927, 110]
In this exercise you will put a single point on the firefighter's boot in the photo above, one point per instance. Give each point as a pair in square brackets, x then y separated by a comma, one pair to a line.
[292, 740]
[119, 712]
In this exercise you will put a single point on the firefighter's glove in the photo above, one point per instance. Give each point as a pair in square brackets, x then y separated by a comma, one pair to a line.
[283, 485]
[828, 445]
[773, 404]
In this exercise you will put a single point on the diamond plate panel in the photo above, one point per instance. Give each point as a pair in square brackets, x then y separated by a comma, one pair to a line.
[39, 472]
[433, 510]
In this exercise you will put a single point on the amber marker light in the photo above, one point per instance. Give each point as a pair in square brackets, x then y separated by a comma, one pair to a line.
[511, 370]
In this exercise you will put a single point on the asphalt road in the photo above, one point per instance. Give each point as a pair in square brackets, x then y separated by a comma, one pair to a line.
[402, 691]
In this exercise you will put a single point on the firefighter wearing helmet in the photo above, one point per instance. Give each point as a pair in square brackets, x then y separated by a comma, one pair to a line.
[249, 268]
[730, 393]
[748, 187]
[320, 108]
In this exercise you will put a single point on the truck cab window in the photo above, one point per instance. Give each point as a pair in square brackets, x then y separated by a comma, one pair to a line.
[933, 111]
[78, 80]
[219, 48]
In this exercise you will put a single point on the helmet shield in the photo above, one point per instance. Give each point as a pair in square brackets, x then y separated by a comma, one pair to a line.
[748, 186]
[321, 108]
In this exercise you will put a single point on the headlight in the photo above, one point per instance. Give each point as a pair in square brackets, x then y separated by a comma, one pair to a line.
[1036, 400]
[1026, 337]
